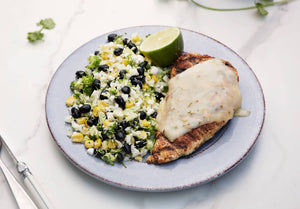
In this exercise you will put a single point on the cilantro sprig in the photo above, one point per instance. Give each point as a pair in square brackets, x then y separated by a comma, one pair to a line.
[260, 6]
[47, 24]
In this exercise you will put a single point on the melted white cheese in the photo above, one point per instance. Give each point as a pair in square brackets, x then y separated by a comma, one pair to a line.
[204, 93]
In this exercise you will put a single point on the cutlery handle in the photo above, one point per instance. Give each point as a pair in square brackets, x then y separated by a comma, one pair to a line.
[36, 193]
[22, 199]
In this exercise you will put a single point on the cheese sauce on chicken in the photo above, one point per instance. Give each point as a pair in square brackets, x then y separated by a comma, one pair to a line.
[207, 92]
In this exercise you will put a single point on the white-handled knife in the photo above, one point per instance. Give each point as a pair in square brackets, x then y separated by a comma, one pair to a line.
[37, 195]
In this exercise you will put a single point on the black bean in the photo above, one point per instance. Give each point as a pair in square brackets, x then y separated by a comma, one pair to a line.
[153, 115]
[141, 78]
[80, 73]
[99, 153]
[137, 82]
[140, 71]
[158, 95]
[131, 45]
[96, 52]
[127, 148]
[95, 120]
[75, 112]
[125, 89]
[120, 101]
[111, 37]
[90, 122]
[85, 108]
[143, 115]
[120, 135]
[126, 41]
[96, 84]
[103, 67]
[134, 49]
[108, 83]
[120, 157]
[124, 124]
[135, 122]
[104, 136]
[122, 73]
[140, 143]
[102, 96]
[118, 51]
[143, 64]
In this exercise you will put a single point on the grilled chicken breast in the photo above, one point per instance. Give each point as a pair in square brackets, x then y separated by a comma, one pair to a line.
[164, 150]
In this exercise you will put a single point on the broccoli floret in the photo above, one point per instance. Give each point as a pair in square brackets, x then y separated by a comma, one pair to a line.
[94, 62]
[109, 158]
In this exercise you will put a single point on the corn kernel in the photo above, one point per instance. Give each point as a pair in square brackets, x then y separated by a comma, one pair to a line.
[145, 123]
[104, 145]
[77, 137]
[125, 62]
[135, 38]
[89, 143]
[70, 101]
[96, 111]
[109, 64]
[114, 74]
[132, 140]
[104, 47]
[112, 144]
[143, 135]
[106, 123]
[85, 130]
[105, 57]
[97, 143]
[145, 86]
[138, 158]
[154, 77]
[102, 103]
[129, 104]
[148, 77]
[81, 120]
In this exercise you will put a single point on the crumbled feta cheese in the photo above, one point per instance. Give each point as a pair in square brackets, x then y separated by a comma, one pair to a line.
[68, 119]
[76, 126]
[134, 151]
[90, 151]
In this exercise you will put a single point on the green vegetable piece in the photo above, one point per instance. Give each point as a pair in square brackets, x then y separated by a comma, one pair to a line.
[261, 9]
[88, 90]
[47, 23]
[109, 158]
[88, 80]
[35, 36]
[77, 95]
[72, 86]
[94, 62]
[259, 6]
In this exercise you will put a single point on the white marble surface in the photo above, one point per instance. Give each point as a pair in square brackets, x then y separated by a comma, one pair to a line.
[267, 178]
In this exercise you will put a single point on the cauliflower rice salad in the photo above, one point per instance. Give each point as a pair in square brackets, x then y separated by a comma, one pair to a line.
[115, 101]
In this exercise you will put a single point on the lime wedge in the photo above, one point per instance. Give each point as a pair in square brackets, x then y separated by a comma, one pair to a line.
[163, 47]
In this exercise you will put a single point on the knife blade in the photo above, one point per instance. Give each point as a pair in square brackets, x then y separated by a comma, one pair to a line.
[38, 196]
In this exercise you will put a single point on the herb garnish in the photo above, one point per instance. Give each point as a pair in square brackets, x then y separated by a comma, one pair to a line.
[259, 6]
[47, 23]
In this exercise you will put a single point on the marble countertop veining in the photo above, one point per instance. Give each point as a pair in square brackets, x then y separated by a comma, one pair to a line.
[267, 178]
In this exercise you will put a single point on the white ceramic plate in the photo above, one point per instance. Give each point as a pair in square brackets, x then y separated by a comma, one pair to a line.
[219, 155]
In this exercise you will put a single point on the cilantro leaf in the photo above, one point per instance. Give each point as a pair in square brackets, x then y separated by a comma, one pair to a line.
[35, 36]
[47, 23]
